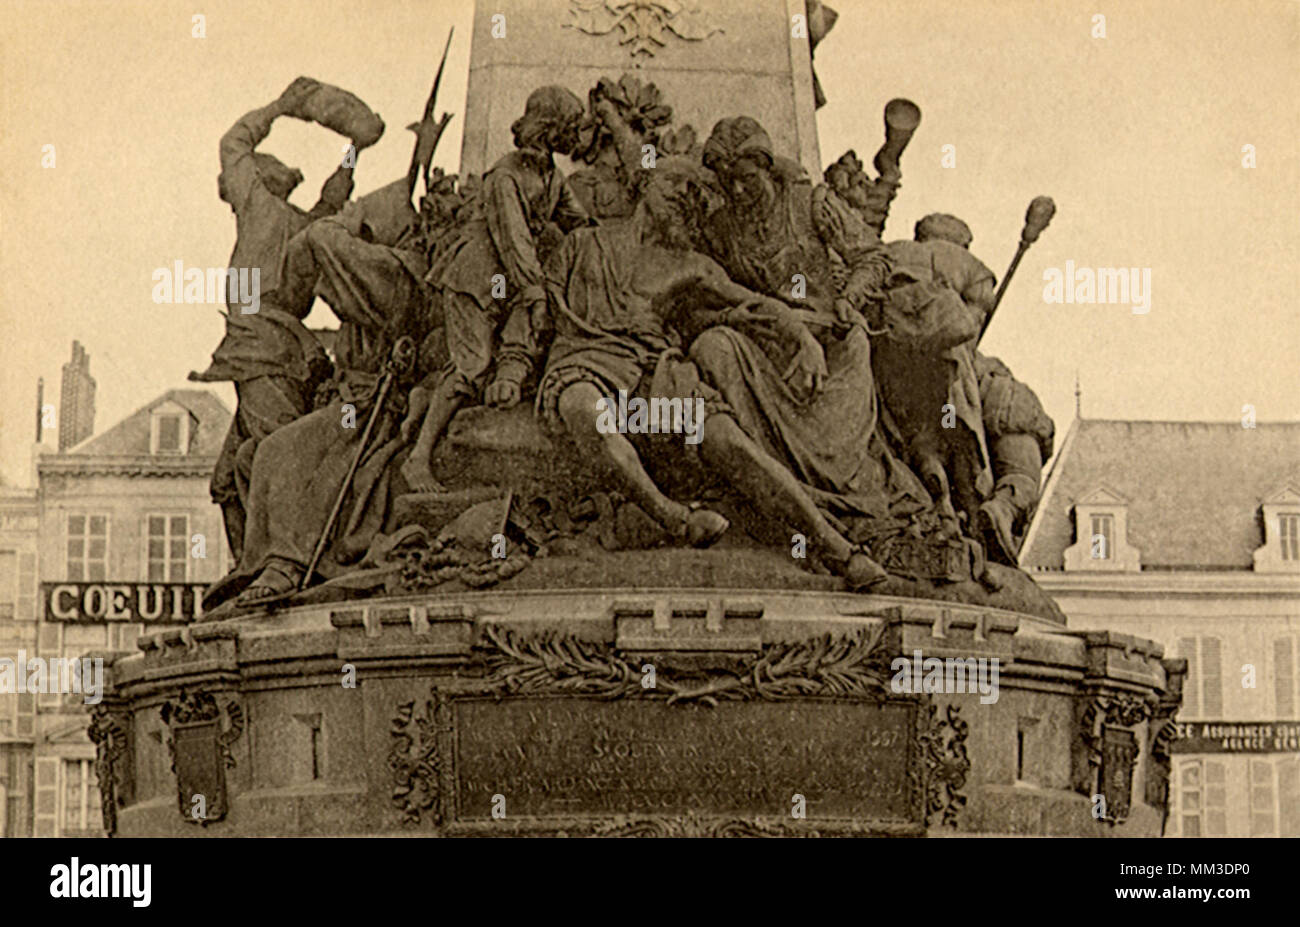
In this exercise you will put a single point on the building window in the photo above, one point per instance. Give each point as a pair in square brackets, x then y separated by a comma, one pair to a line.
[168, 538]
[1102, 536]
[1280, 513]
[1288, 796]
[1203, 691]
[17, 586]
[8, 725]
[1288, 524]
[87, 548]
[169, 430]
[1275, 797]
[27, 587]
[1285, 693]
[81, 811]
[1202, 798]
[8, 584]
[169, 434]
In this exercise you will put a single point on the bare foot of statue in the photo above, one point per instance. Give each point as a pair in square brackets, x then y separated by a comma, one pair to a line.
[419, 477]
[860, 572]
[271, 582]
[703, 527]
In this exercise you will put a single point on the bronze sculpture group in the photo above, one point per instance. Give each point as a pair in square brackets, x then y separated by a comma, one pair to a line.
[845, 400]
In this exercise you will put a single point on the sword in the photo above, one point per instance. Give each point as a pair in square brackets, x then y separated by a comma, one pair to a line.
[403, 354]
[1040, 212]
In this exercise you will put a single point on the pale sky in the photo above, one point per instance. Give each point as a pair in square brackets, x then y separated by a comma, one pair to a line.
[1138, 137]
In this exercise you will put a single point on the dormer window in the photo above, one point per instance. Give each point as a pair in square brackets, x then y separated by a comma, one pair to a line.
[169, 429]
[1101, 534]
[1289, 535]
[1280, 552]
[169, 434]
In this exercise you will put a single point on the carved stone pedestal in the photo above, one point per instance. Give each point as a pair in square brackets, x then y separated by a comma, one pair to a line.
[664, 713]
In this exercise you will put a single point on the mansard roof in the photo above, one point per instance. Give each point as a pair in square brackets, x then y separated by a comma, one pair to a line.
[1193, 490]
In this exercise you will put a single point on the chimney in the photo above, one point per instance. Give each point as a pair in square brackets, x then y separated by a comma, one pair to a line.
[76, 400]
[40, 402]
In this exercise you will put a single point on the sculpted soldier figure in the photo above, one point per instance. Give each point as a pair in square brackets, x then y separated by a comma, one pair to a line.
[1015, 434]
[270, 356]
[941, 296]
[490, 276]
[1020, 437]
[1002, 417]
[368, 265]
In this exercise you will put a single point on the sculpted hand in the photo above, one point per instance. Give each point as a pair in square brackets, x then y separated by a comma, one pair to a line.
[539, 319]
[807, 372]
[845, 316]
[501, 394]
[296, 94]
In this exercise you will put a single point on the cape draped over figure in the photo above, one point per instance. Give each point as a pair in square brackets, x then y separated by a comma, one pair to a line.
[833, 444]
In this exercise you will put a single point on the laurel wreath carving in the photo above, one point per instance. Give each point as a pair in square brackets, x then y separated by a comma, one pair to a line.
[853, 664]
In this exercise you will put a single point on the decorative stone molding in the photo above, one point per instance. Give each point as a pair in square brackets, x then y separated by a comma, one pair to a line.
[110, 731]
[947, 764]
[1161, 733]
[415, 762]
[1110, 749]
[644, 24]
[458, 683]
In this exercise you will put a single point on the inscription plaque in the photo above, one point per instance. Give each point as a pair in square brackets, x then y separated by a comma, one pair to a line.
[579, 758]
[555, 734]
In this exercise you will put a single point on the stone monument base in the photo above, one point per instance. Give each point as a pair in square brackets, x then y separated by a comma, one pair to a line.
[676, 712]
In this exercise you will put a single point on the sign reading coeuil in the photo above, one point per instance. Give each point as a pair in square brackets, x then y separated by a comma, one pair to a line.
[143, 603]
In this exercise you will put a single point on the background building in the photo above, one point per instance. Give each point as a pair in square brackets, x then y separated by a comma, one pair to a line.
[19, 518]
[1188, 533]
[128, 508]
